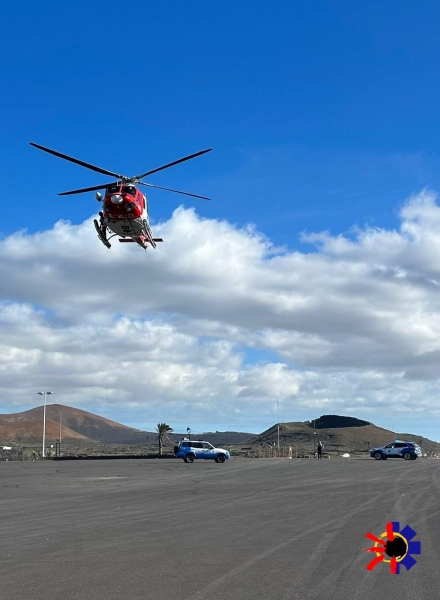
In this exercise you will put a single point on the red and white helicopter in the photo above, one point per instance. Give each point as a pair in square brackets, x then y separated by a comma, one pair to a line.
[125, 209]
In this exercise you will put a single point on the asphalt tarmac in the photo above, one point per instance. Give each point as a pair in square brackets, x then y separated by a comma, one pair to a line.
[248, 529]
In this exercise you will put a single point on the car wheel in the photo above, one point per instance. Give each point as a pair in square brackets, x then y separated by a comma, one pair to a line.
[221, 458]
[189, 458]
[378, 455]
[414, 457]
[407, 455]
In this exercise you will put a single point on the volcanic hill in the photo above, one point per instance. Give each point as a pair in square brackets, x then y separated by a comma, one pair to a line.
[76, 424]
[338, 434]
[80, 425]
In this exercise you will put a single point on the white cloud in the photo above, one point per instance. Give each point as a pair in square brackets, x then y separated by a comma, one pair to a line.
[352, 326]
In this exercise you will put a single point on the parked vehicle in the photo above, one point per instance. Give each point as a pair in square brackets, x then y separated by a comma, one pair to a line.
[397, 449]
[190, 450]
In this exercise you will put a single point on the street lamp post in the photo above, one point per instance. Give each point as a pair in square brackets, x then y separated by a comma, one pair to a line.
[44, 418]
[188, 431]
[278, 419]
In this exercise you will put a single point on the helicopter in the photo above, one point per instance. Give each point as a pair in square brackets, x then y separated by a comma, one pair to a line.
[124, 207]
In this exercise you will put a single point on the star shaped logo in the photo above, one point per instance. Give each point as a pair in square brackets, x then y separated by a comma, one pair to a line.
[397, 545]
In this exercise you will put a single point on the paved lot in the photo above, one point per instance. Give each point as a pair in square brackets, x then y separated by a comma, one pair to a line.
[246, 530]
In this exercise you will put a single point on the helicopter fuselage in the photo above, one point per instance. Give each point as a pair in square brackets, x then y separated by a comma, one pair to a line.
[125, 212]
[124, 202]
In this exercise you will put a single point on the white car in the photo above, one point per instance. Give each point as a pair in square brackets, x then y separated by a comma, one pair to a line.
[190, 450]
[397, 449]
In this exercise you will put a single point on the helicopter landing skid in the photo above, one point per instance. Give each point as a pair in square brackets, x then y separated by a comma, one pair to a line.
[145, 239]
[101, 234]
[141, 241]
[148, 236]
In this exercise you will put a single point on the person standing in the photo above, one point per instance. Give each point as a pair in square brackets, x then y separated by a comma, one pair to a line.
[320, 449]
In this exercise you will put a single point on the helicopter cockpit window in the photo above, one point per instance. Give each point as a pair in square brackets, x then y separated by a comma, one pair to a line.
[129, 189]
[113, 189]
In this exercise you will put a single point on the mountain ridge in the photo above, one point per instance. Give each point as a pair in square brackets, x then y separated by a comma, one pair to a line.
[338, 433]
[81, 425]
[357, 438]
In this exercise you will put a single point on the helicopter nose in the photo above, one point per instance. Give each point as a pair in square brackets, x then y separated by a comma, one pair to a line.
[117, 199]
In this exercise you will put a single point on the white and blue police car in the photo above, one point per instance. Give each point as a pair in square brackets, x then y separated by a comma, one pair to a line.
[190, 450]
[397, 449]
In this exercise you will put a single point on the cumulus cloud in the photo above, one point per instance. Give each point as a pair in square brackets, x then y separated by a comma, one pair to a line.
[217, 320]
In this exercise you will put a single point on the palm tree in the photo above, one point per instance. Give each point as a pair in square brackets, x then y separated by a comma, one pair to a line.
[162, 429]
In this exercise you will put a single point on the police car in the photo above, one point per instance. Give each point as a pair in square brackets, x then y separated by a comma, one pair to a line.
[190, 450]
[397, 449]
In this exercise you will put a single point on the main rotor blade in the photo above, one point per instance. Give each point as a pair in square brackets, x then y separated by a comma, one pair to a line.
[176, 162]
[89, 189]
[175, 191]
[78, 162]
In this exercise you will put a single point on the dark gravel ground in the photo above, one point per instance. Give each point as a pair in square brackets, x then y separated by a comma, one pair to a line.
[245, 530]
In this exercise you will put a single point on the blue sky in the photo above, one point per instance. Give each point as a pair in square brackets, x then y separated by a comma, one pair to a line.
[327, 108]
[322, 115]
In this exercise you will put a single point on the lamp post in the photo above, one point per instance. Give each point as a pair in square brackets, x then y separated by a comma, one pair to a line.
[44, 417]
[278, 419]
[188, 431]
